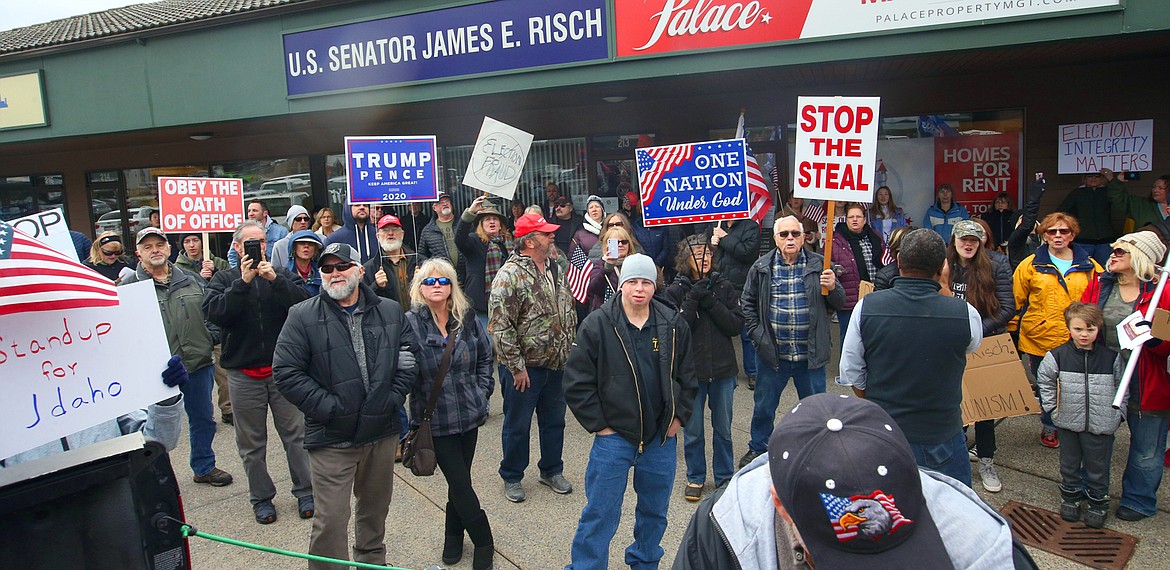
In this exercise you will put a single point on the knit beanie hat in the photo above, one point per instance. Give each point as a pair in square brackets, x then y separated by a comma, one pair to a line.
[1148, 243]
[639, 266]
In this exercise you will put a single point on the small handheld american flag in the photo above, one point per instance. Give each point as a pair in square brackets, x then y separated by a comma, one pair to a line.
[579, 272]
[34, 277]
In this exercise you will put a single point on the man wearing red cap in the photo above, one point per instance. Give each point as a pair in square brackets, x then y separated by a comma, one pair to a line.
[389, 274]
[532, 322]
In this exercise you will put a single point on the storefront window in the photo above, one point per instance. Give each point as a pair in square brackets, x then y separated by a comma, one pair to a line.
[26, 195]
[280, 182]
[561, 161]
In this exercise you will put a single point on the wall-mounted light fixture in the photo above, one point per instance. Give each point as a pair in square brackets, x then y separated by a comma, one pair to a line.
[614, 98]
[201, 136]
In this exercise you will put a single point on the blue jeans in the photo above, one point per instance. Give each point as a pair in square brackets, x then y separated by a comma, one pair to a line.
[200, 418]
[749, 353]
[843, 317]
[605, 487]
[1143, 467]
[770, 383]
[545, 396]
[949, 457]
[1045, 417]
[718, 395]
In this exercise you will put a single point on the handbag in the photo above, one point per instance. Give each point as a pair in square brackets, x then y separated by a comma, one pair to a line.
[418, 448]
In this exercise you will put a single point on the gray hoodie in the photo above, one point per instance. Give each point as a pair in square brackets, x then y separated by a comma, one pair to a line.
[975, 535]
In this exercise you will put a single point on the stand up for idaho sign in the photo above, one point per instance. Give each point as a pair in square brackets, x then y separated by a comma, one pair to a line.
[695, 182]
[836, 148]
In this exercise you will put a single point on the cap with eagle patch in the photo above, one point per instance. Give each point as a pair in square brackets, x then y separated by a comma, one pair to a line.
[846, 476]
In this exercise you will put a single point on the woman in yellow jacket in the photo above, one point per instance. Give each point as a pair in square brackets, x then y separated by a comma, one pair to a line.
[1045, 283]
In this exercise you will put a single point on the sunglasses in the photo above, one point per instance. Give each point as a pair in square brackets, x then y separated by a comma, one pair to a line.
[1119, 252]
[623, 242]
[1058, 231]
[432, 281]
[328, 268]
[301, 219]
[614, 225]
[786, 233]
[119, 252]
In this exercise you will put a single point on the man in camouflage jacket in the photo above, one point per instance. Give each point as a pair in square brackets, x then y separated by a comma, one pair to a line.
[532, 323]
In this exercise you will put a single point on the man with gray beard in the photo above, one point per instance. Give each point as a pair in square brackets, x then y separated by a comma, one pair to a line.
[390, 273]
[343, 358]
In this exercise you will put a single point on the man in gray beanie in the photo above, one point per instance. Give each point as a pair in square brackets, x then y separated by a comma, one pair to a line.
[629, 381]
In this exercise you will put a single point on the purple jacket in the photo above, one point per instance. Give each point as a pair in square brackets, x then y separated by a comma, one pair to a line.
[843, 255]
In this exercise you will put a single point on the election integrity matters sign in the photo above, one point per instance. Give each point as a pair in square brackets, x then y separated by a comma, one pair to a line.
[695, 182]
[836, 148]
[200, 204]
[478, 38]
[391, 169]
[1116, 145]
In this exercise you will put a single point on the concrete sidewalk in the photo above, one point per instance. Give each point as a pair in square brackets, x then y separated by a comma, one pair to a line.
[536, 534]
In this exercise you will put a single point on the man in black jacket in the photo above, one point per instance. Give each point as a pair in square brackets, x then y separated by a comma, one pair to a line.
[249, 303]
[629, 380]
[343, 359]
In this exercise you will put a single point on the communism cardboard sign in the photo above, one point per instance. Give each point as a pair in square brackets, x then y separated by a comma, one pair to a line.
[200, 204]
[994, 383]
[836, 148]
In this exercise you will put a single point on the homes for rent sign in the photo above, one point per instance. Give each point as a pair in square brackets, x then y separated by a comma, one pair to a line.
[1116, 145]
[836, 148]
[695, 182]
[200, 204]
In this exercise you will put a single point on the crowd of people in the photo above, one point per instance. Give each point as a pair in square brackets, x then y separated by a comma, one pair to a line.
[338, 330]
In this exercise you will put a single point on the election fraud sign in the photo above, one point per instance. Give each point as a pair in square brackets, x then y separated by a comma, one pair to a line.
[1117, 145]
[391, 169]
[644, 27]
[497, 161]
[836, 148]
[200, 204]
[979, 167]
[694, 182]
[62, 371]
[479, 38]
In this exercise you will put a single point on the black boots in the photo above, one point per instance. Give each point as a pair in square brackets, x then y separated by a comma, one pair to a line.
[1070, 504]
[453, 537]
[1098, 511]
[481, 536]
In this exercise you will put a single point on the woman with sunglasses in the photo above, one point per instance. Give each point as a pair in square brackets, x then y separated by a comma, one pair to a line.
[1128, 286]
[441, 313]
[983, 280]
[1044, 284]
[604, 284]
[108, 257]
[611, 221]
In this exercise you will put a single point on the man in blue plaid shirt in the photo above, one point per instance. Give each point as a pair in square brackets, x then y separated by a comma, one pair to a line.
[787, 319]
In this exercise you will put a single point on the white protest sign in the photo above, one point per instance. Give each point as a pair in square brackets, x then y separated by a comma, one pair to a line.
[1116, 145]
[498, 158]
[836, 148]
[66, 370]
[49, 228]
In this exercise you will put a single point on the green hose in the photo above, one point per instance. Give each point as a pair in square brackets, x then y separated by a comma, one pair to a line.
[188, 530]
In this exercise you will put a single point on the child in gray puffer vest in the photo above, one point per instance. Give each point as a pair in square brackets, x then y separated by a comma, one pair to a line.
[1077, 382]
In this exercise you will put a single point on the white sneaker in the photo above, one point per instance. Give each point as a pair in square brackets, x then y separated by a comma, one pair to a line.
[973, 455]
[987, 473]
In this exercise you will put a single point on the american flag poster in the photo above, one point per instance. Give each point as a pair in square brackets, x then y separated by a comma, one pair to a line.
[579, 272]
[695, 182]
[75, 350]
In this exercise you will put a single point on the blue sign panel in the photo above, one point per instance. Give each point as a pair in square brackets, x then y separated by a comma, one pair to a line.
[696, 182]
[391, 169]
[479, 38]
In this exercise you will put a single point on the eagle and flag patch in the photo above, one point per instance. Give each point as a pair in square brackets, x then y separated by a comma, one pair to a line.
[871, 516]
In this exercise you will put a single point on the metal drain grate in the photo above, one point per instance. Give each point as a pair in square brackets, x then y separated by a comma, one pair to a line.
[1096, 548]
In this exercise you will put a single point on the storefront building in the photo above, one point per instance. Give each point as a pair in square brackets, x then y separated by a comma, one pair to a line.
[978, 93]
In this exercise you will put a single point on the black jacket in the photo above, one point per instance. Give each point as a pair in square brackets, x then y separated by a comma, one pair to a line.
[738, 250]
[250, 315]
[316, 368]
[714, 316]
[600, 385]
[474, 258]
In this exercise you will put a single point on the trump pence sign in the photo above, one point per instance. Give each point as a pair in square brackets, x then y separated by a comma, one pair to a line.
[836, 148]
[695, 182]
[391, 169]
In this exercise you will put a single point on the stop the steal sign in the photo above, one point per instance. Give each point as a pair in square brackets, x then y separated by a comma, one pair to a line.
[836, 148]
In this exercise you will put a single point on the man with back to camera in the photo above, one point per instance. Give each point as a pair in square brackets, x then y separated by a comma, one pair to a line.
[358, 231]
[350, 404]
[882, 355]
[839, 488]
[787, 318]
[250, 303]
[179, 295]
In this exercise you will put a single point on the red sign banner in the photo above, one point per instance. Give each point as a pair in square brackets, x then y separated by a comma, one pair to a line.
[978, 168]
[662, 26]
[200, 204]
